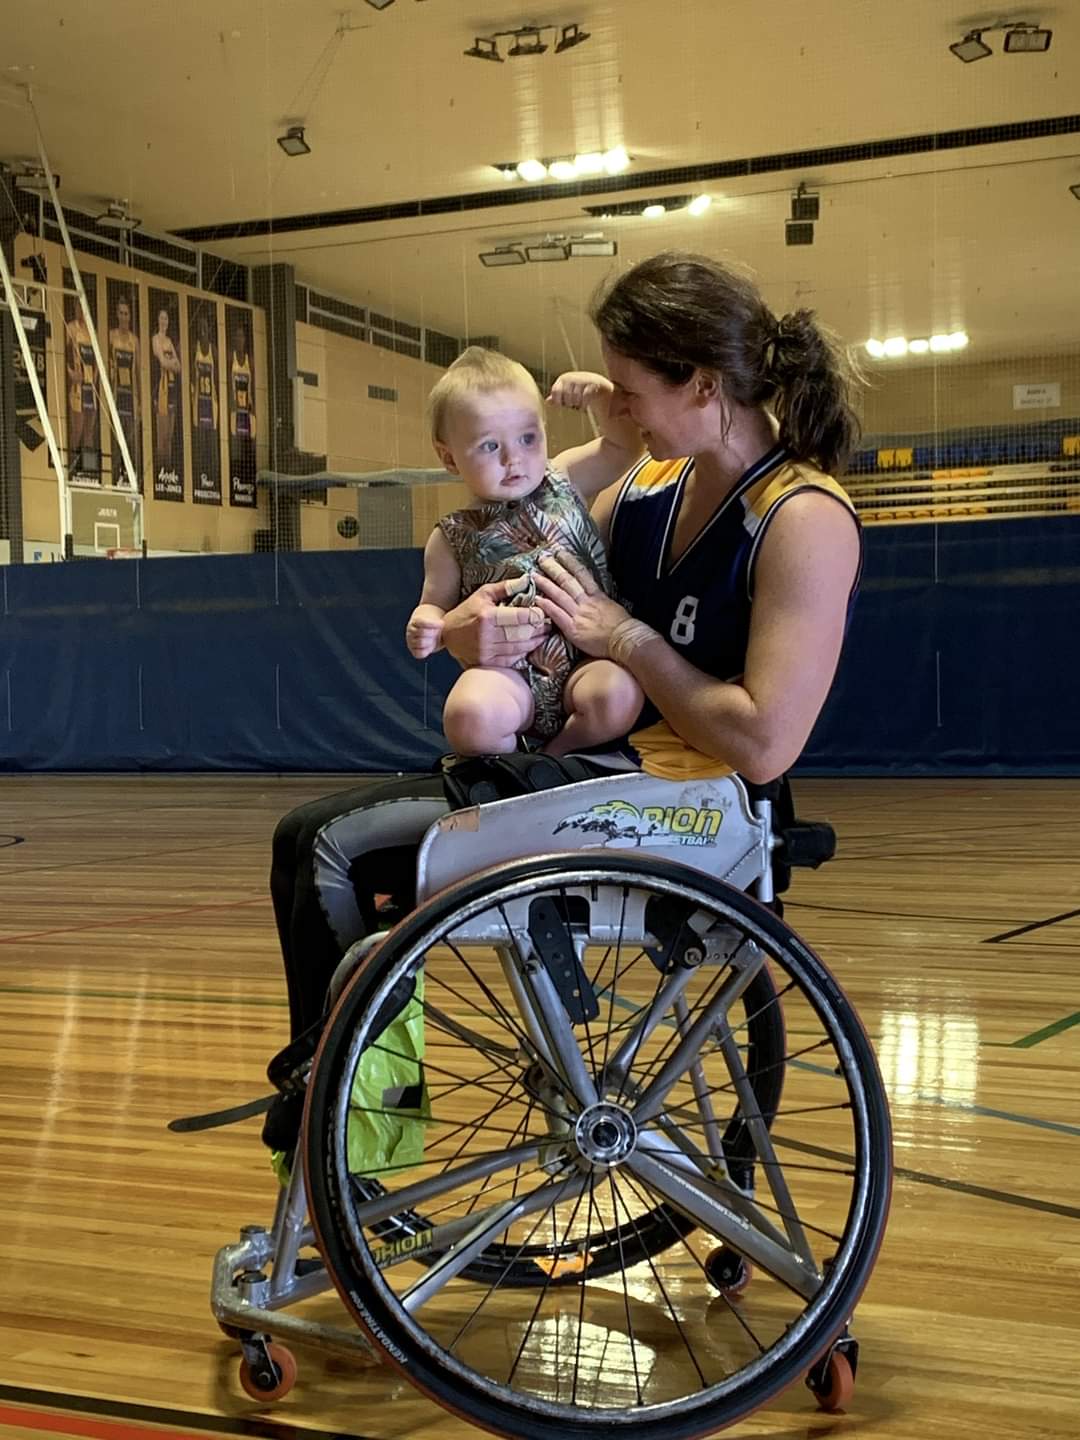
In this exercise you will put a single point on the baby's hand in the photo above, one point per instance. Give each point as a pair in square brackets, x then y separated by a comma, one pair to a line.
[422, 636]
[578, 389]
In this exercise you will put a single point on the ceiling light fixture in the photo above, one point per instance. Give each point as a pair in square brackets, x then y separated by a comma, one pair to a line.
[549, 250]
[898, 345]
[651, 208]
[502, 255]
[971, 47]
[804, 205]
[293, 142]
[543, 249]
[29, 175]
[699, 204]
[591, 162]
[591, 248]
[482, 49]
[1022, 37]
[571, 35]
[565, 168]
[1074, 191]
[380, 4]
[1027, 40]
[529, 40]
[116, 217]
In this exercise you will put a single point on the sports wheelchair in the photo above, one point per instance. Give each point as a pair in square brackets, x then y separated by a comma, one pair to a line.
[593, 1143]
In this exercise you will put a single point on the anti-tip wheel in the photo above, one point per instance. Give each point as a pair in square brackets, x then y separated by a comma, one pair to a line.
[271, 1383]
[839, 1384]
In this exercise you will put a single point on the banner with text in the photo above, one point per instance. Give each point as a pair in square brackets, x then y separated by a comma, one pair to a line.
[205, 401]
[242, 420]
[83, 387]
[125, 369]
[166, 394]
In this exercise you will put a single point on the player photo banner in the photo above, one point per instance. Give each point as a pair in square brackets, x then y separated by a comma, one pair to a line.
[242, 422]
[83, 385]
[125, 369]
[205, 375]
[166, 394]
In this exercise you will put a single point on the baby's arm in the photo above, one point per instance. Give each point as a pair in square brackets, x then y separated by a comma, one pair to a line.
[594, 466]
[442, 590]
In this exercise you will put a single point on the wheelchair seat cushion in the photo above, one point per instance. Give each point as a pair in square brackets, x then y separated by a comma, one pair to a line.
[479, 779]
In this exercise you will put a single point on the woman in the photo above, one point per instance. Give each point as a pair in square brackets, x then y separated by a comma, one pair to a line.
[124, 375]
[735, 551]
[165, 384]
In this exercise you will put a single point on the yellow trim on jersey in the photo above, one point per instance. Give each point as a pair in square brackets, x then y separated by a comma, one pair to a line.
[654, 475]
[667, 755]
[790, 475]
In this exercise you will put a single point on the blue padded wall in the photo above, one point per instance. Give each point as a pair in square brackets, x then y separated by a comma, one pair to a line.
[961, 657]
[237, 662]
[961, 654]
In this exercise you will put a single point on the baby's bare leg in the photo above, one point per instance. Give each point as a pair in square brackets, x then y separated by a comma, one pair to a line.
[602, 702]
[486, 711]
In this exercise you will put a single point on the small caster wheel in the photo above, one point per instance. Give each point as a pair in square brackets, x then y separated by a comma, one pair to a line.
[270, 1380]
[837, 1383]
[727, 1271]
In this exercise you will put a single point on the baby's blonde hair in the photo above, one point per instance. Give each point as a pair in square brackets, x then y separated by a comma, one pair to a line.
[475, 369]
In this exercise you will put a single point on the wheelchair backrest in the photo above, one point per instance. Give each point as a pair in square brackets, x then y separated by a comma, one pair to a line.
[707, 825]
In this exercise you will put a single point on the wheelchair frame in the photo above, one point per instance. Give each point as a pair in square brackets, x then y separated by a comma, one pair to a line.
[710, 827]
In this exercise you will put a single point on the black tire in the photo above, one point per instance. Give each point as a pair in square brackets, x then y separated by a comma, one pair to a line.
[834, 1290]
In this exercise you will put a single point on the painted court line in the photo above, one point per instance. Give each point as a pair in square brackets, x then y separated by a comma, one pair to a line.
[98, 1419]
[1038, 1036]
[1034, 925]
[142, 995]
[150, 917]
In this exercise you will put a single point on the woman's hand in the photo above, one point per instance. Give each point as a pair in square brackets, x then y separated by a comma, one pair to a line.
[572, 600]
[484, 630]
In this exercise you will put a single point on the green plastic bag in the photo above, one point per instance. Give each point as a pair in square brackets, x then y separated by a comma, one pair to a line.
[389, 1107]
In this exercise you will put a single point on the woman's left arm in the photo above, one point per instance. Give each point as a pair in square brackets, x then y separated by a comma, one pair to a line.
[805, 571]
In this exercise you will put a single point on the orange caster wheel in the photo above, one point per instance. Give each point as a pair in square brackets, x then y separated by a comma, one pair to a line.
[271, 1378]
[837, 1383]
[727, 1271]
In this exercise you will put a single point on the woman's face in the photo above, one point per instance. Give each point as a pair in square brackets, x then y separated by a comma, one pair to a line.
[163, 322]
[669, 417]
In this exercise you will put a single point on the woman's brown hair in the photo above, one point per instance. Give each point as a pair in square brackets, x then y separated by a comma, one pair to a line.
[676, 313]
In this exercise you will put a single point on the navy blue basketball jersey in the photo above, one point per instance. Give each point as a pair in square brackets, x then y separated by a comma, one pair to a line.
[701, 602]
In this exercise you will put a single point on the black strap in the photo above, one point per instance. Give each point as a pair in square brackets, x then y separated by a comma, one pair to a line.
[480, 779]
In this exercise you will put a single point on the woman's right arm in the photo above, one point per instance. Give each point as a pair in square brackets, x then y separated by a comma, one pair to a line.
[484, 630]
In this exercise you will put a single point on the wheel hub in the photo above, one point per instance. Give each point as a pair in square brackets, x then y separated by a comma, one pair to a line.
[605, 1134]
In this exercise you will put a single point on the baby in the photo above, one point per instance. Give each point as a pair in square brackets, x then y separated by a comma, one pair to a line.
[487, 428]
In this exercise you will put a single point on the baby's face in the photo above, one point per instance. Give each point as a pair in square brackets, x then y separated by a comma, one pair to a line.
[496, 443]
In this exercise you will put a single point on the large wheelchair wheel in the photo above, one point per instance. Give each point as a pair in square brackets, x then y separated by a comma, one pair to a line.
[592, 1107]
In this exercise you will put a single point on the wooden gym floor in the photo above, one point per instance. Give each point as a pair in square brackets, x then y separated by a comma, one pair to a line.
[140, 981]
